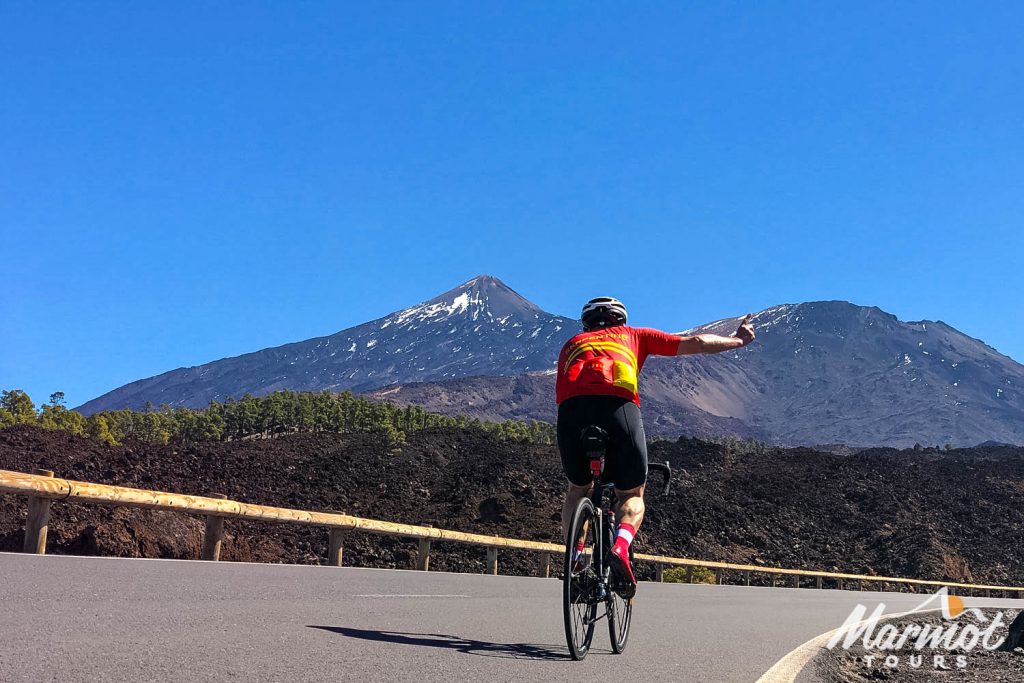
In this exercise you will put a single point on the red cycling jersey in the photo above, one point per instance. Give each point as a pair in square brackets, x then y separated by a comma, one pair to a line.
[606, 362]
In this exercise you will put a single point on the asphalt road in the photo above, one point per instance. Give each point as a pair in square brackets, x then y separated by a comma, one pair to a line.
[85, 619]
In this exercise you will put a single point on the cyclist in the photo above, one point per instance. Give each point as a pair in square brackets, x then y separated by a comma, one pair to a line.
[597, 385]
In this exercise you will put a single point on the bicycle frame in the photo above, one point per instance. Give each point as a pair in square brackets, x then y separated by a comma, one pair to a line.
[605, 519]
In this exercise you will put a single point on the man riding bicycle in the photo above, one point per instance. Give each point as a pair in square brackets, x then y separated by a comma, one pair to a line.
[597, 385]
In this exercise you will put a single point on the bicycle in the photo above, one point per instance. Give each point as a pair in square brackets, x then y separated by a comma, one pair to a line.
[586, 575]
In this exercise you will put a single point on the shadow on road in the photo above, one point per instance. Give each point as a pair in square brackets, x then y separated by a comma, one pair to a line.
[466, 645]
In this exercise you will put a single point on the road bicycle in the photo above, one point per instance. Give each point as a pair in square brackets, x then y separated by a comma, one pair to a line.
[587, 581]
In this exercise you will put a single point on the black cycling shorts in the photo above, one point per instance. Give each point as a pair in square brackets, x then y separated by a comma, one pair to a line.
[625, 463]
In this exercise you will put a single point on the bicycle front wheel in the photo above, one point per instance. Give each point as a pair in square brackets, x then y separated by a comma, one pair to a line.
[579, 581]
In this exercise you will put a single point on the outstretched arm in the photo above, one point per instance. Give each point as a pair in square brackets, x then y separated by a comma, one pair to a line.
[713, 343]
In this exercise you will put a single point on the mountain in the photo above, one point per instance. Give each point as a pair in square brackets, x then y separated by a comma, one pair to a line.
[820, 373]
[482, 327]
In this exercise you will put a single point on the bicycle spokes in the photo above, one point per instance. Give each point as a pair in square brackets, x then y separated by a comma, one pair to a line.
[581, 584]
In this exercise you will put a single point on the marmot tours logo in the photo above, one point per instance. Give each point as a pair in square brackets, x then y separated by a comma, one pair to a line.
[892, 640]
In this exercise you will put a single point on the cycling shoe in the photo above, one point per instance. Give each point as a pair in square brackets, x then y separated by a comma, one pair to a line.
[623, 581]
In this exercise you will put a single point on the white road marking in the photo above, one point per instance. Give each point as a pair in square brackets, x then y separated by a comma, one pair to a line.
[408, 595]
[789, 667]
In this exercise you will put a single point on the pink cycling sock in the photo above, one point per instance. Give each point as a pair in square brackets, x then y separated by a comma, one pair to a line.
[623, 539]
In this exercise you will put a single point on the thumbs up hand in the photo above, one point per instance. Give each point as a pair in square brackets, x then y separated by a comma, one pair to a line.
[745, 332]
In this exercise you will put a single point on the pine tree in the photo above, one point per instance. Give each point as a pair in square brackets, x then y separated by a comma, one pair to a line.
[20, 407]
[98, 428]
[55, 416]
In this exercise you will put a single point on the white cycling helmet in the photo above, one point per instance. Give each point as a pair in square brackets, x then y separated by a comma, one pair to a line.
[603, 311]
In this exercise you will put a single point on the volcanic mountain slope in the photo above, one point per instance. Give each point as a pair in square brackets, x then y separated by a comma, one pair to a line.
[820, 372]
[833, 372]
[532, 397]
[481, 327]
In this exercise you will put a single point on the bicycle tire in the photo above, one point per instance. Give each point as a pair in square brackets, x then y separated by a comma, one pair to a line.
[578, 610]
[620, 617]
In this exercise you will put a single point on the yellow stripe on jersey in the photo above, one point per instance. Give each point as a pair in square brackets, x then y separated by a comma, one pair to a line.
[599, 346]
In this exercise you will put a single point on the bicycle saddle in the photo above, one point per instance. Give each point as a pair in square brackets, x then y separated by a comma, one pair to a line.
[593, 439]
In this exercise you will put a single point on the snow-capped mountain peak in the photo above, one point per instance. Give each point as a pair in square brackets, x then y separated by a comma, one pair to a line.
[485, 297]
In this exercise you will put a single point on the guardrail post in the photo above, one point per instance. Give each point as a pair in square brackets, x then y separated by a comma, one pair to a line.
[335, 551]
[746, 578]
[423, 553]
[214, 535]
[492, 561]
[38, 520]
[817, 583]
[840, 584]
[335, 548]
[335, 541]
[659, 572]
[775, 580]
[718, 577]
[796, 580]
[545, 565]
[689, 575]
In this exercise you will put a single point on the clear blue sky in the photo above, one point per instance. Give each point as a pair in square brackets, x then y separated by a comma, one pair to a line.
[188, 182]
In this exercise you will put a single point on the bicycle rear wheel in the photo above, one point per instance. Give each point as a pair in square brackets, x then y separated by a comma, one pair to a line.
[620, 614]
[579, 581]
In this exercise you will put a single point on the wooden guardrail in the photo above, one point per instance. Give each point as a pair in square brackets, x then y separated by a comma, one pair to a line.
[42, 488]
